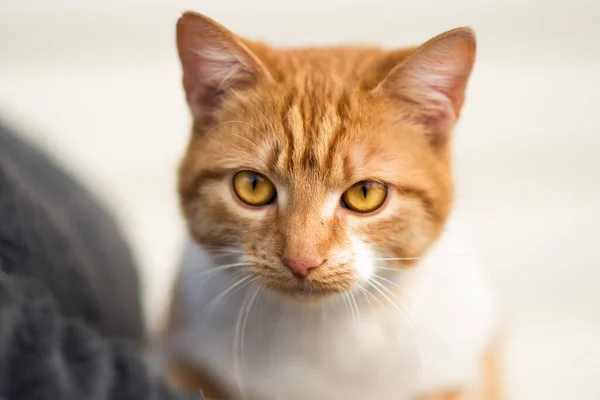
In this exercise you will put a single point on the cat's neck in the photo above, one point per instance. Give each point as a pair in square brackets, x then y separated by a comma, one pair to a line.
[404, 327]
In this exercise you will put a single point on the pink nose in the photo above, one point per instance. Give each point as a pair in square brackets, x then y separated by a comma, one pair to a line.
[301, 266]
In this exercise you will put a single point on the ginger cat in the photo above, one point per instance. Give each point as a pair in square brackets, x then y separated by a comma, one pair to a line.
[322, 263]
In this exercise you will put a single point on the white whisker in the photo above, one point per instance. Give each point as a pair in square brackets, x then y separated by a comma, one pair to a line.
[236, 345]
[224, 251]
[396, 269]
[212, 271]
[264, 117]
[346, 298]
[364, 290]
[255, 295]
[420, 258]
[243, 281]
[408, 323]
[221, 247]
[386, 280]
[357, 312]
[249, 141]
[383, 287]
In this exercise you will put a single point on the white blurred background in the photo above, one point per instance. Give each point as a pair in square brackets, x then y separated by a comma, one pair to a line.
[97, 83]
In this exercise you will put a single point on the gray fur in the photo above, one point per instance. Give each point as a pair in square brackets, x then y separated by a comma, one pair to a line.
[71, 325]
[51, 228]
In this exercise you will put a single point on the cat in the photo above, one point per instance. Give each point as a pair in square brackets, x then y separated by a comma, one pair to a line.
[323, 261]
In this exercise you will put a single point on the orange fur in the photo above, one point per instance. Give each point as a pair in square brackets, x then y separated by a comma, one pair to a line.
[315, 121]
[191, 379]
[490, 386]
[328, 126]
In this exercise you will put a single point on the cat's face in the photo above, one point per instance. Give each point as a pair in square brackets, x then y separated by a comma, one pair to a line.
[316, 165]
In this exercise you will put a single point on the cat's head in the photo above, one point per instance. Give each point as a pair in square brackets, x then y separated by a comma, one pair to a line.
[316, 164]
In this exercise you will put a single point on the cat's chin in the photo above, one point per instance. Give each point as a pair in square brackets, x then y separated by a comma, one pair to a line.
[320, 285]
[308, 292]
[308, 297]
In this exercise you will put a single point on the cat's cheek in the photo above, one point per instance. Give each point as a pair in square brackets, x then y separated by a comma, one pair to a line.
[214, 216]
[249, 215]
[364, 258]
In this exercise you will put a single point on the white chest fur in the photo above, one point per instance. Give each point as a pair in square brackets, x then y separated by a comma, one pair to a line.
[431, 339]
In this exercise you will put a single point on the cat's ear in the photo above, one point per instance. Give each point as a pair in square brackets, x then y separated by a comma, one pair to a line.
[430, 84]
[214, 60]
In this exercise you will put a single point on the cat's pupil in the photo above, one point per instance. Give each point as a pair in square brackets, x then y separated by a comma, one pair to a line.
[365, 190]
[254, 182]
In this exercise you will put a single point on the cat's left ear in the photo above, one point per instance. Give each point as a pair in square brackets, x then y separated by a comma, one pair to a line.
[214, 60]
[430, 84]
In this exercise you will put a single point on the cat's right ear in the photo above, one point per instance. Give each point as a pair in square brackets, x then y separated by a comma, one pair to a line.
[214, 60]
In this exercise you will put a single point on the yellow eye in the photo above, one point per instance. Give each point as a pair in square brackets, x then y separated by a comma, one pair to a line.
[365, 197]
[253, 189]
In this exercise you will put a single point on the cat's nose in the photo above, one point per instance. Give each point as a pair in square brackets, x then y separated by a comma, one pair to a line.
[302, 265]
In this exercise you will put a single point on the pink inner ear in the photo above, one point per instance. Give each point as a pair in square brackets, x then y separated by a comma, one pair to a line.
[430, 85]
[439, 124]
[213, 61]
[218, 66]
[208, 72]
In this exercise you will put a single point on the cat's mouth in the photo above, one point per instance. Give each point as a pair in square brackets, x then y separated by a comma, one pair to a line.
[304, 291]
[312, 288]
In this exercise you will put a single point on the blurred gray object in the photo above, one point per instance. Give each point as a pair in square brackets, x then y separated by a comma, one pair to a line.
[45, 356]
[52, 229]
[71, 323]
